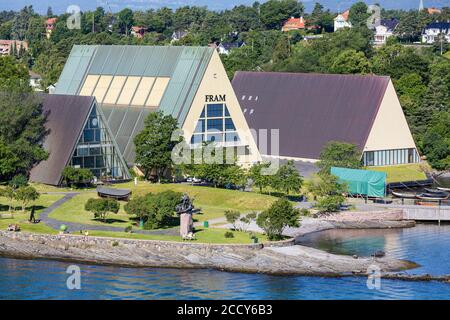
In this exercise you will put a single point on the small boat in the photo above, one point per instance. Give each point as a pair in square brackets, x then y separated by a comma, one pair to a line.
[443, 189]
[437, 191]
[405, 195]
[432, 196]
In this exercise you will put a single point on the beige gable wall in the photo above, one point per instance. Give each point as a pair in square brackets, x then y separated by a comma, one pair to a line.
[216, 82]
[390, 129]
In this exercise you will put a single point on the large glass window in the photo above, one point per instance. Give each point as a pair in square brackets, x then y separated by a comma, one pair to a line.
[95, 151]
[215, 125]
[390, 157]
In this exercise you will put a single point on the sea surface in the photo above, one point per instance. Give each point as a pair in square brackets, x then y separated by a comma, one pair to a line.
[427, 245]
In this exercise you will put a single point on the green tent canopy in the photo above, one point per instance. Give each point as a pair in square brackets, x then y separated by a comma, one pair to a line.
[364, 182]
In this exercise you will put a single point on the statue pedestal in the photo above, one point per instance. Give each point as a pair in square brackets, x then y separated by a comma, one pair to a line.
[186, 224]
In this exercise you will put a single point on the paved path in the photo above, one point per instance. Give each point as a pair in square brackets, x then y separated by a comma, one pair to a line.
[74, 227]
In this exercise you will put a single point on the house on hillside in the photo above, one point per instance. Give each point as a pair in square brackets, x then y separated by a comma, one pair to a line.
[178, 35]
[50, 25]
[434, 11]
[342, 21]
[35, 80]
[9, 47]
[293, 24]
[138, 31]
[434, 30]
[385, 30]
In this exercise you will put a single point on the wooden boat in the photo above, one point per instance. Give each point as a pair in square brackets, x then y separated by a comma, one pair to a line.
[436, 191]
[432, 196]
[443, 189]
[405, 195]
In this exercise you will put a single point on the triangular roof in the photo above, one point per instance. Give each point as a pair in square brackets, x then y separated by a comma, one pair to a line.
[182, 68]
[66, 116]
[310, 109]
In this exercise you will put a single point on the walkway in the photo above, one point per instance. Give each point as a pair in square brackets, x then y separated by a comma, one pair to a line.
[75, 227]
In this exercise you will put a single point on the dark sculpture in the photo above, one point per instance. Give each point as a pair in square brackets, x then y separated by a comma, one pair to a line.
[184, 209]
[185, 206]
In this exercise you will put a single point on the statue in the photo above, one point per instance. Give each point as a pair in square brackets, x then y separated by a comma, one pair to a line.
[184, 209]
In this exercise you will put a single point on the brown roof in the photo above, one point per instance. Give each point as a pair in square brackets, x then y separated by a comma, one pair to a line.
[310, 109]
[66, 116]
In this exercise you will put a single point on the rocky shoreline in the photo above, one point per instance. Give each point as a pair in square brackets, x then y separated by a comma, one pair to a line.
[271, 258]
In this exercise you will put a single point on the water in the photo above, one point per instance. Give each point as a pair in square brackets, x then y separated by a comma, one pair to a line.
[428, 245]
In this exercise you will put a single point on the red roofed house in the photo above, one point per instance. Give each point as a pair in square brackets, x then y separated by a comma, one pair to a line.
[50, 24]
[342, 21]
[293, 24]
[6, 46]
[434, 11]
[138, 31]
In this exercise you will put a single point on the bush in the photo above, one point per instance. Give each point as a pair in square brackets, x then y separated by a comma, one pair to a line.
[280, 215]
[330, 203]
[77, 176]
[18, 181]
[229, 235]
[101, 207]
[128, 229]
[156, 210]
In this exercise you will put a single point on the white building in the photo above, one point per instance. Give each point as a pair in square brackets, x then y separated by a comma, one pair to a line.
[384, 31]
[342, 21]
[433, 30]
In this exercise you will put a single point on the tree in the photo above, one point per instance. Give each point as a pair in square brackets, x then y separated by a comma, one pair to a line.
[10, 194]
[101, 207]
[358, 14]
[351, 61]
[339, 154]
[13, 75]
[154, 144]
[436, 141]
[21, 132]
[247, 219]
[259, 179]
[155, 210]
[274, 12]
[280, 215]
[232, 217]
[76, 176]
[328, 191]
[125, 20]
[25, 195]
[18, 181]
[287, 178]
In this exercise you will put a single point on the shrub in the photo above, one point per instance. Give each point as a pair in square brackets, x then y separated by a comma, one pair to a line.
[229, 235]
[156, 210]
[330, 203]
[101, 207]
[18, 181]
[77, 176]
[128, 229]
[232, 217]
[280, 215]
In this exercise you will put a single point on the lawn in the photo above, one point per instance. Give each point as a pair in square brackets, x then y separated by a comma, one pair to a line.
[73, 211]
[21, 218]
[405, 172]
[203, 235]
[212, 202]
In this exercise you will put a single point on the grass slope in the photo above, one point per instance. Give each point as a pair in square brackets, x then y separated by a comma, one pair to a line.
[406, 172]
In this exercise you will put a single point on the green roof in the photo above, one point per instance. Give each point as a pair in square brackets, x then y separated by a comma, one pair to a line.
[185, 66]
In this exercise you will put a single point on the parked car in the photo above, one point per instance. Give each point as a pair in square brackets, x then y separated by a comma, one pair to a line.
[194, 180]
